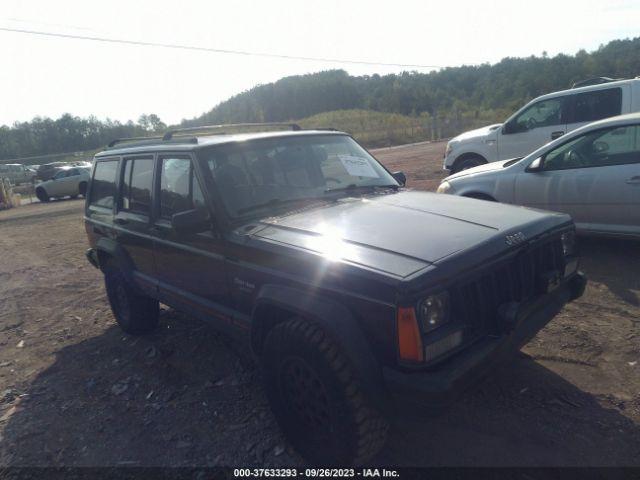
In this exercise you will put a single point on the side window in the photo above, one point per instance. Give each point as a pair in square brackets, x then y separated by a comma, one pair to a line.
[136, 185]
[598, 104]
[103, 184]
[179, 188]
[612, 146]
[60, 174]
[544, 113]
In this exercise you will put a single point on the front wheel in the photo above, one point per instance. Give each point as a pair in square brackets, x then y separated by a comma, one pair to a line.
[135, 313]
[316, 398]
[467, 163]
[42, 195]
[82, 189]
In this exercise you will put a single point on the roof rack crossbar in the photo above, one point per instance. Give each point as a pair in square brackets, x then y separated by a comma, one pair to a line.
[594, 81]
[113, 143]
[206, 128]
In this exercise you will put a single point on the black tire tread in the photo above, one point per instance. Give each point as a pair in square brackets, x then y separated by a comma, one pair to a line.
[145, 311]
[370, 427]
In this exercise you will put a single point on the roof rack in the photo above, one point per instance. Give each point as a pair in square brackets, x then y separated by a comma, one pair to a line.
[215, 128]
[593, 81]
[112, 143]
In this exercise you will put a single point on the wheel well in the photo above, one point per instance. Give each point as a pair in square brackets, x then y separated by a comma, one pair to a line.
[466, 156]
[479, 196]
[265, 318]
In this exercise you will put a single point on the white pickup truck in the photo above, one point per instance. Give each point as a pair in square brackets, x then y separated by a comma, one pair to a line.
[542, 120]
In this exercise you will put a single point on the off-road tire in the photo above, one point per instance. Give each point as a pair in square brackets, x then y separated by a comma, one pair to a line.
[467, 163]
[42, 194]
[316, 398]
[135, 313]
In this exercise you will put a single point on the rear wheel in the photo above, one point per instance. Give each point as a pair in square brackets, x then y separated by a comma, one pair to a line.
[42, 194]
[316, 398]
[135, 313]
[467, 163]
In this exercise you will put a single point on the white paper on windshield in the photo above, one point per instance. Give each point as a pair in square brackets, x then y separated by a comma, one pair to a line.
[358, 166]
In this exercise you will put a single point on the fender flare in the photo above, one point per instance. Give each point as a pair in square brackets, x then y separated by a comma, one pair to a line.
[337, 320]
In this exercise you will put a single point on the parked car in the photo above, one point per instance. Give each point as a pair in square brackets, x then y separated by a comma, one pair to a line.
[69, 181]
[540, 121]
[16, 173]
[592, 174]
[48, 170]
[355, 295]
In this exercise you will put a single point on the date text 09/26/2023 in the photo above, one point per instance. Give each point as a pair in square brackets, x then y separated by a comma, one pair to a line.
[316, 472]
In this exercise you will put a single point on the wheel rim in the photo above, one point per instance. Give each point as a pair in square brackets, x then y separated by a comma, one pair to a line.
[305, 393]
[122, 302]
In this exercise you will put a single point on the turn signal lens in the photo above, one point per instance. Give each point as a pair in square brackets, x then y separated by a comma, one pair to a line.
[409, 339]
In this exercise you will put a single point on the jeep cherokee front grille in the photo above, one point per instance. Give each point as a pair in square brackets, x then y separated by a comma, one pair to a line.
[475, 302]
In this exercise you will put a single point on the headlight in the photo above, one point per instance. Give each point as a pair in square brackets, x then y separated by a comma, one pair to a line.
[568, 243]
[434, 311]
[449, 149]
[444, 187]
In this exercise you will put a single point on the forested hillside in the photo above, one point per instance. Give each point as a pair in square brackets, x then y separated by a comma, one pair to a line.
[438, 102]
[503, 86]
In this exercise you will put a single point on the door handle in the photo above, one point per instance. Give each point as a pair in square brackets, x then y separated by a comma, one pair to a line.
[634, 180]
[557, 134]
[120, 221]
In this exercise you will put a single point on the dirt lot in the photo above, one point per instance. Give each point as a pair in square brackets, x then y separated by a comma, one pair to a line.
[74, 390]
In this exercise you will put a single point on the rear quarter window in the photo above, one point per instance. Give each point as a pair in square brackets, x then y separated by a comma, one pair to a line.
[596, 105]
[103, 184]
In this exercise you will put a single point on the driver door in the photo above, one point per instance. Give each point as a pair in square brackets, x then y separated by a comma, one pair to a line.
[190, 266]
[589, 178]
[537, 125]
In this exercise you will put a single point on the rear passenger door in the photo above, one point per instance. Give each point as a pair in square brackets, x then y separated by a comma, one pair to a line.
[69, 184]
[191, 266]
[133, 216]
[597, 104]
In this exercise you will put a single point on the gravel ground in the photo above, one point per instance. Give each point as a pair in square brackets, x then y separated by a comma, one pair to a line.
[74, 390]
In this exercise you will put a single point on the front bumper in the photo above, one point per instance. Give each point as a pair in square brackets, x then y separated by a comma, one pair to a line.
[443, 383]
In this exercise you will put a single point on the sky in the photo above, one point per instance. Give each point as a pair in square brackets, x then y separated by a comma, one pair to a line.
[45, 76]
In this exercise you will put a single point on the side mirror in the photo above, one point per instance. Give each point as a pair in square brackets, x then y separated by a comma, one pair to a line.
[191, 221]
[535, 166]
[400, 177]
[507, 128]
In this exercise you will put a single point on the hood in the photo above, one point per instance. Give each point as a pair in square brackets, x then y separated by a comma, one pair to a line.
[485, 168]
[401, 233]
[488, 131]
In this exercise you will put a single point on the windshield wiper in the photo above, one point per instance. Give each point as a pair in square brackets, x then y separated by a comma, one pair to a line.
[352, 187]
[274, 202]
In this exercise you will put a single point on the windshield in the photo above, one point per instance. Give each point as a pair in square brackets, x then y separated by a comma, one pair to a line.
[268, 172]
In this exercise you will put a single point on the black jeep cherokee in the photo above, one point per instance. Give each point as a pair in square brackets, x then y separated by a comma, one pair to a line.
[354, 292]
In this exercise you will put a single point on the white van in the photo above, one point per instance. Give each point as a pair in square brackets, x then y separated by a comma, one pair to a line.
[542, 120]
